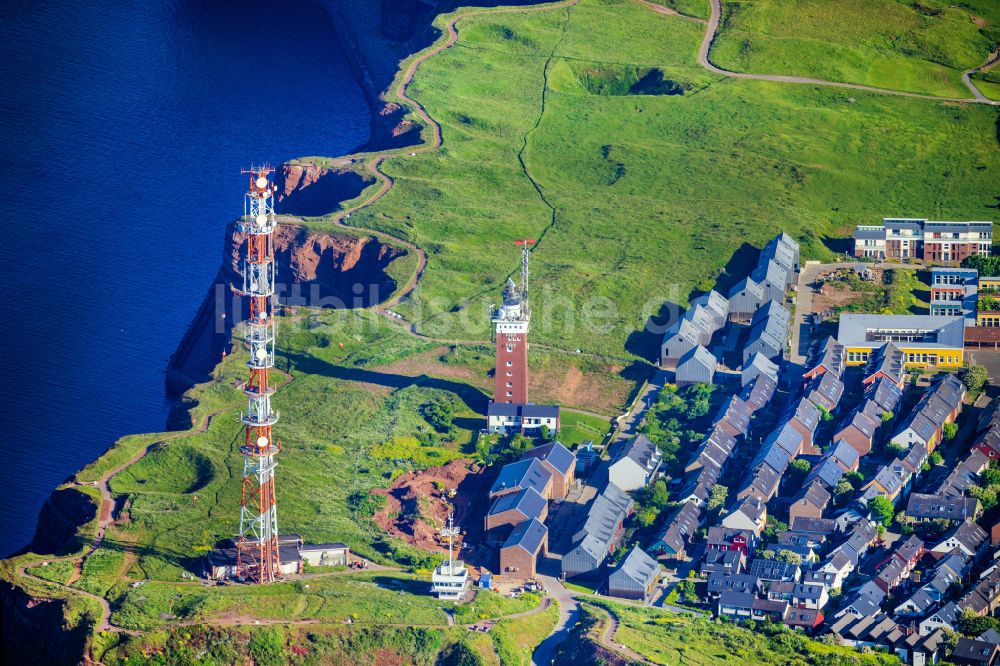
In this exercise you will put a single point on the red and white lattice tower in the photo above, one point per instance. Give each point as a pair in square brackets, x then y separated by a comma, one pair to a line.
[257, 546]
[510, 322]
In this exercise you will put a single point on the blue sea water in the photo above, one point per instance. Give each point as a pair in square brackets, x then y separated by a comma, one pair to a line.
[123, 128]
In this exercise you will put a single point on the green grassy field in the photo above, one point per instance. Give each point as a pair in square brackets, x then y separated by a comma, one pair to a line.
[920, 47]
[988, 82]
[650, 194]
[577, 428]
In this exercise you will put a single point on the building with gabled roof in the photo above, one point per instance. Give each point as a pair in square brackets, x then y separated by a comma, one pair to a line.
[716, 305]
[886, 362]
[923, 507]
[696, 366]
[845, 455]
[636, 464]
[758, 394]
[750, 513]
[924, 340]
[745, 297]
[825, 391]
[827, 471]
[768, 332]
[773, 277]
[858, 432]
[810, 503]
[733, 416]
[805, 419]
[967, 537]
[515, 508]
[675, 536]
[636, 576]
[560, 461]
[516, 476]
[757, 365]
[945, 617]
[520, 551]
[829, 358]
[719, 584]
[764, 480]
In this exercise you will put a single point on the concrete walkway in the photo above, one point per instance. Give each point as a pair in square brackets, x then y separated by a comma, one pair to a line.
[569, 615]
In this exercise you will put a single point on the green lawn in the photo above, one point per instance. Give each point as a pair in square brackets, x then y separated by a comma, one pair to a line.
[652, 193]
[918, 47]
[577, 428]
[988, 82]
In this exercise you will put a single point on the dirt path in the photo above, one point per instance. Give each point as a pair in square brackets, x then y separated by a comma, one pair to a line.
[608, 640]
[711, 32]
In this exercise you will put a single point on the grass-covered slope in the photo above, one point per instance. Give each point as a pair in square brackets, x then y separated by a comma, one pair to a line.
[642, 197]
[920, 47]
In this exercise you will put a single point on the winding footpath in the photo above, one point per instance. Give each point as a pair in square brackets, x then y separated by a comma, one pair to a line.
[711, 32]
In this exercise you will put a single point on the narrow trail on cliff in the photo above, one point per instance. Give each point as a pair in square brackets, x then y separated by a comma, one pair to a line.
[712, 32]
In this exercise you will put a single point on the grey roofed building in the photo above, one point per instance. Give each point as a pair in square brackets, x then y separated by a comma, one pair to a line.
[825, 391]
[636, 463]
[618, 497]
[788, 439]
[774, 570]
[716, 304]
[676, 534]
[815, 494]
[934, 409]
[527, 502]
[845, 455]
[929, 507]
[521, 474]
[585, 557]
[722, 561]
[965, 474]
[679, 339]
[763, 482]
[918, 604]
[829, 358]
[807, 414]
[768, 332]
[554, 453]
[713, 451]
[858, 606]
[704, 320]
[885, 394]
[822, 526]
[595, 539]
[733, 416]
[886, 362]
[827, 472]
[915, 458]
[916, 428]
[745, 297]
[758, 364]
[718, 583]
[773, 277]
[975, 651]
[930, 332]
[775, 455]
[951, 390]
[697, 366]
[527, 535]
[967, 536]
[758, 394]
[635, 577]
[736, 604]
[603, 519]
[888, 482]
[785, 251]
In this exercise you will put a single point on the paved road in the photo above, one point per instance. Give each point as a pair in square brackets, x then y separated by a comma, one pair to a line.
[569, 615]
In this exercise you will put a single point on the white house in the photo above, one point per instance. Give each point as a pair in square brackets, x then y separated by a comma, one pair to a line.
[636, 464]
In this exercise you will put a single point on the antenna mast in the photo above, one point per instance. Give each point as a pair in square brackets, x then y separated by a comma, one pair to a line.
[257, 554]
[525, 253]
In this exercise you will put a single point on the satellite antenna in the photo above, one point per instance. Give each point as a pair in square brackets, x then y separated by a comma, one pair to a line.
[450, 531]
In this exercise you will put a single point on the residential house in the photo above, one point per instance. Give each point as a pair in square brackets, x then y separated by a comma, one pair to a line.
[858, 432]
[736, 606]
[767, 570]
[745, 298]
[716, 305]
[886, 362]
[516, 476]
[560, 461]
[722, 561]
[969, 538]
[742, 583]
[749, 514]
[600, 532]
[945, 617]
[526, 543]
[818, 526]
[635, 578]
[829, 359]
[892, 482]
[805, 420]
[725, 538]
[784, 250]
[675, 537]
[733, 417]
[806, 619]
[697, 366]
[825, 391]
[758, 394]
[768, 332]
[839, 565]
[773, 277]
[757, 365]
[512, 509]
[636, 464]
[827, 471]
[917, 604]
[923, 507]
[885, 393]
[763, 482]
[845, 455]
[808, 595]
[810, 503]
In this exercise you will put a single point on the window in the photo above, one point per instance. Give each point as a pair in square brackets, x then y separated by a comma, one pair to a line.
[510, 364]
[509, 385]
[509, 394]
[510, 348]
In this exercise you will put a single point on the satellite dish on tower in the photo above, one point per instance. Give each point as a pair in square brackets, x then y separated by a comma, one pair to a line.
[261, 354]
[261, 220]
[262, 441]
[261, 183]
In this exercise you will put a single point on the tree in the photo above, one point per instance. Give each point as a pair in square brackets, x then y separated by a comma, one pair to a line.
[439, 412]
[717, 499]
[971, 624]
[975, 377]
[949, 430]
[895, 449]
[881, 510]
[789, 556]
[887, 416]
[646, 516]
[797, 471]
[990, 476]
[855, 479]
[842, 492]
[987, 495]
[880, 531]
[936, 458]
[774, 527]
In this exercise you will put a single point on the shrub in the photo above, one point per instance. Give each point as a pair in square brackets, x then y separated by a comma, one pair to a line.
[975, 377]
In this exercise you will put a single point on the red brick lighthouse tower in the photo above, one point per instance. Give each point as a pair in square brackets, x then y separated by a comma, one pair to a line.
[511, 327]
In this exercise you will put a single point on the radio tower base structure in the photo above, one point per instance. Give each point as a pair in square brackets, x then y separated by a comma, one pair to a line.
[510, 411]
[257, 551]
